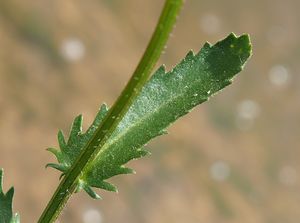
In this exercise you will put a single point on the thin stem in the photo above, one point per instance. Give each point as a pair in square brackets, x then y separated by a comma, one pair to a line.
[116, 113]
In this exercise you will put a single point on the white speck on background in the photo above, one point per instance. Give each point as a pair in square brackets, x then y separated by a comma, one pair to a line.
[219, 171]
[92, 216]
[279, 75]
[210, 24]
[247, 111]
[72, 49]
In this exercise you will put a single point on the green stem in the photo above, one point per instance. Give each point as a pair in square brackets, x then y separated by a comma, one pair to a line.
[116, 113]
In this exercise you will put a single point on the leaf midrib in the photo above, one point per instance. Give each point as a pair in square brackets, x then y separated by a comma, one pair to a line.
[145, 117]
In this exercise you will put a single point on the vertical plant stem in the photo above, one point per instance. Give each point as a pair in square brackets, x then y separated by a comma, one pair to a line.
[116, 113]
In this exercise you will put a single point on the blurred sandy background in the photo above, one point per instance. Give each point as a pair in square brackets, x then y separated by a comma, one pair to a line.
[234, 159]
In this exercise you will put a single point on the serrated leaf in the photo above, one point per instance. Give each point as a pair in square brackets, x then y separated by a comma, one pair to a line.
[164, 98]
[6, 213]
[71, 149]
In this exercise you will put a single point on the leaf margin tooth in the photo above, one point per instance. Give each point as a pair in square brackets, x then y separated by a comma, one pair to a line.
[76, 128]
[91, 192]
[61, 140]
[56, 166]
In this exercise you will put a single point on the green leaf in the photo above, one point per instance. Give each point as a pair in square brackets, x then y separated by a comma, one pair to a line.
[6, 214]
[164, 98]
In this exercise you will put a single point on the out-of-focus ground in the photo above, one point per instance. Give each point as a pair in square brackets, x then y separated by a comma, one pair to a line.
[234, 159]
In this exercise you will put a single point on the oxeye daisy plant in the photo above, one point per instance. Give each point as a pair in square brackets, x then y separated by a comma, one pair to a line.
[146, 107]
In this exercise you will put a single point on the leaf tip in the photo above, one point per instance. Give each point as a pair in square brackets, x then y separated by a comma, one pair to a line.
[91, 192]
[1, 180]
[162, 69]
[104, 107]
[190, 54]
[76, 128]
[59, 167]
[61, 139]
[240, 45]
[6, 203]
[207, 45]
